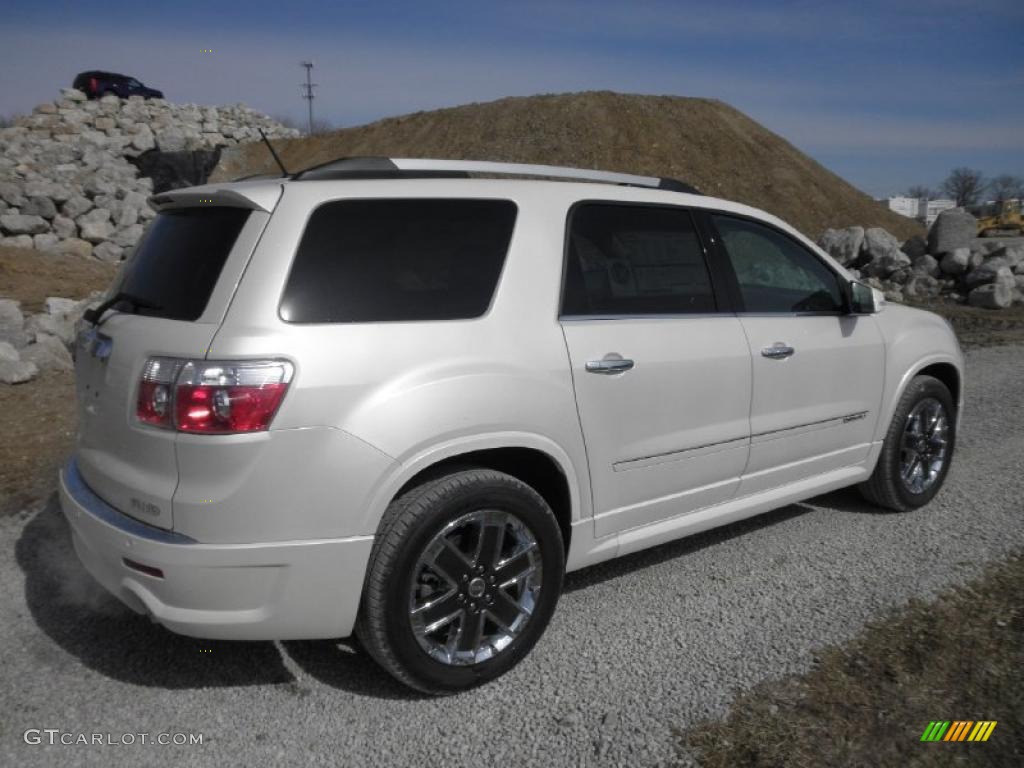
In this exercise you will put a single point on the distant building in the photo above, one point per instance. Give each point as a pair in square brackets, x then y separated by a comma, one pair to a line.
[906, 206]
[925, 211]
[932, 209]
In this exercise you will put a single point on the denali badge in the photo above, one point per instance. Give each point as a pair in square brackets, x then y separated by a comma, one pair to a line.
[145, 507]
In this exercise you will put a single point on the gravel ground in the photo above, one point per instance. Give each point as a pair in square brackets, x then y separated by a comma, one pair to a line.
[649, 643]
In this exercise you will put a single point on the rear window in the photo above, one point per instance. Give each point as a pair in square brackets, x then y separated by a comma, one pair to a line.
[381, 260]
[177, 264]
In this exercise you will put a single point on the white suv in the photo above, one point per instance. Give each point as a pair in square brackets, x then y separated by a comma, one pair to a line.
[391, 398]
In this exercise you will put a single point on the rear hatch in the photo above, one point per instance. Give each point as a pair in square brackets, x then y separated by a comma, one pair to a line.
[180, 279]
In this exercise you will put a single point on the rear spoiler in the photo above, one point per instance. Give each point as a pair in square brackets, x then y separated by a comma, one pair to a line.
[254, 196]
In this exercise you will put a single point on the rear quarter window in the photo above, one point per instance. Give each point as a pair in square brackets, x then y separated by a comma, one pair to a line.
[176, 265]
[398, 259]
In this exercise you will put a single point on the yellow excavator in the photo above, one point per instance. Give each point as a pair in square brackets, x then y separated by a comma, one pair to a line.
[1002, 219]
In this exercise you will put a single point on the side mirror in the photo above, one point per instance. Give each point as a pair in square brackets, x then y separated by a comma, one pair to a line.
[862, 299]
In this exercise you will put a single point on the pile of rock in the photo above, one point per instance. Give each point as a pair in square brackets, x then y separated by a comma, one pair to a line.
[67, 183]
[38, 342]
[951, 262]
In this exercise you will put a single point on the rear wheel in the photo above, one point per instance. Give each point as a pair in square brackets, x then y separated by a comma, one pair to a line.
[463, 578]
[917, 450]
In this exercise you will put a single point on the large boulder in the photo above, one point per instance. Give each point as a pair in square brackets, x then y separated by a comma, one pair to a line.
[991, 296]
[921, 287]
[843, 245]
[887, 264]
[108, 251]
[57, 305]
[953, 229]
[48, 353]
[173, 170]
[23, 224]
[878, 242]
[40, 206]
[991, 271]
[75, 206]
[12, 323]
[915, 247]
[64, 227]
[1011, 254]
[956, 262]
[95, 225]
[8, 353]
[17, 372]
[12, 193]
[926, 265]
[17, 241]
[13, 369]
[76, 246]
[45, 242]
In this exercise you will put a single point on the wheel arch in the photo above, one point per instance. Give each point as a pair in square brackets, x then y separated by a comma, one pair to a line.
[536, 460]
[945, 368]
[948, 374]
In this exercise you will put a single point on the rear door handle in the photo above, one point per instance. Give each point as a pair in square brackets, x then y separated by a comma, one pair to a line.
[777, 351]
[609, 365]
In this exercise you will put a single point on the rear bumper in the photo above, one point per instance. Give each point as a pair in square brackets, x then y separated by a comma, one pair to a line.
[277, 591]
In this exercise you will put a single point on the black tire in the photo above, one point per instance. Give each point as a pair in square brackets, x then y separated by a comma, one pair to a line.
[886, 487]
[411, 523]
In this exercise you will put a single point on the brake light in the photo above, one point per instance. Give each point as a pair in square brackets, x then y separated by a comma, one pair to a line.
[206, 397]
[156, 389]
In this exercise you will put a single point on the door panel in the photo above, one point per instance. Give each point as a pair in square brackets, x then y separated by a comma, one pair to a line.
[817, 371]
[816, 409]
[671, 434]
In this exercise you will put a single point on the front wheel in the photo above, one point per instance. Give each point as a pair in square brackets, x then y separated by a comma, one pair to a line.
[463, 579]
[917, 450]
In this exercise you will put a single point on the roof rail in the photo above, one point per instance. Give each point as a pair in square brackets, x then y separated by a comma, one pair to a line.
[404, 167]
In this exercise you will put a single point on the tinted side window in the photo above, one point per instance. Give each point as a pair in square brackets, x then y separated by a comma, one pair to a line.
[177, 264]
[634, 260]
[379, 260]
[775, 273]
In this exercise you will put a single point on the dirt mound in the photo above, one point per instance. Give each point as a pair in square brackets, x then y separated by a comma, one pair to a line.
[704, 142]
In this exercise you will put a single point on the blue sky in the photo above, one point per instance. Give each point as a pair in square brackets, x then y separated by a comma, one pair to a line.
[885, 93]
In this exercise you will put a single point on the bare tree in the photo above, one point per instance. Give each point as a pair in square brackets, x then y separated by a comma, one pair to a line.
[964, 185]
[920, 192]
[1006, 187]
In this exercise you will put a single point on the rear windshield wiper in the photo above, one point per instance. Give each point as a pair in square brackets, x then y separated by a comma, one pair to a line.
[93, 315]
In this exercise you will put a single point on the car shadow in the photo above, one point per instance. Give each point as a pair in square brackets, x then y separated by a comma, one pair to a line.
[93, 626]
[344, 665]
[622, 566]
[74, 611]
[84, 620]
[849, 501]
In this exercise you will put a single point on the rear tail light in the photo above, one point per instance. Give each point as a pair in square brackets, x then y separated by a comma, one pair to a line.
[213, 398]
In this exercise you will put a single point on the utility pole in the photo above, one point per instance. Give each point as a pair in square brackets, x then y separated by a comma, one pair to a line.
[307, 91]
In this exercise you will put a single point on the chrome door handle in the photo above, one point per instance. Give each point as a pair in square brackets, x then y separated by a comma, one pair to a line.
[609, 365]
[777, 351]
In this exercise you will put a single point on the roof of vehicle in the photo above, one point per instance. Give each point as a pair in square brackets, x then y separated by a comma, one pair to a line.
[100, 73]
[403, 167]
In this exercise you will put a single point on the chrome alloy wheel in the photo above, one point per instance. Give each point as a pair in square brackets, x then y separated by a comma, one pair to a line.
[925, 445]
[475, 587]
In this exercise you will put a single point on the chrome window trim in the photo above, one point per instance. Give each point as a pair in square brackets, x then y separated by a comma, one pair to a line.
[667, 316]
